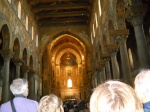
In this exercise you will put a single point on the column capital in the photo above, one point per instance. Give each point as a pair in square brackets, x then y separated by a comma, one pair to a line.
[31, 71]
[24, 68]
[6, 54]
[121, 36]
[6, 51]
[135, 14]
[111, 32]
[102, 63]
[124, 32]
[17, 60]
[112, 48]
[105, 57]
[98, 68]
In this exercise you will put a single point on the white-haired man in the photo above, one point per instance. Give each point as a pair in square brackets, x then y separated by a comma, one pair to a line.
[20, 103]
[142, 88]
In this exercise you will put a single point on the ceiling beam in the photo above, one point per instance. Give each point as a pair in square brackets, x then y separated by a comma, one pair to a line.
[63, 24]
[35, 2]
[61, 21]
[62, 14]
[37, 9]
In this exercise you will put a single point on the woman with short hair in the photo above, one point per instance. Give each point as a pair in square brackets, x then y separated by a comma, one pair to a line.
[50, 103]
[115, 96]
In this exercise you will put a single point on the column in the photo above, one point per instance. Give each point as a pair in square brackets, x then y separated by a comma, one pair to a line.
[98, 75]
[135, 14]
[18, 62]
[121, 37]
[31, 84]
[89, 74]
[106, 58]
[102, 72]
[39, 90]
[113, 49]
[38, 95]
[7, 55]
[108, 73]
[25, 70]
[95, 79]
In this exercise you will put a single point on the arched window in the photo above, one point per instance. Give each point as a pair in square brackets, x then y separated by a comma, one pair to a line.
[130, 58]
[91, 38]
[37, 40]
[19, 10]
[93, 30]
[27, 23]
[96, 20]
[99, 7]
[32, 33]
[69, 83]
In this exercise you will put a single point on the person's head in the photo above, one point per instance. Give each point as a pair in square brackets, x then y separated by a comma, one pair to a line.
[19, 86]
[77, 99]
[114, 96]
[50, 103]
[142, 85]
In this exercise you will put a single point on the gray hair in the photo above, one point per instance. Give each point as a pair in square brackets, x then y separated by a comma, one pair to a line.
[50, 103]
[115, 96]
[142, 82]
[18, 86]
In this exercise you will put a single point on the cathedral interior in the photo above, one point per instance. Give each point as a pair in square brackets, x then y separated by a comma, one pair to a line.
[68, 47]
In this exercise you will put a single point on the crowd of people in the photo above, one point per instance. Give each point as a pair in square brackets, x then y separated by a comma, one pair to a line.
[111, 96]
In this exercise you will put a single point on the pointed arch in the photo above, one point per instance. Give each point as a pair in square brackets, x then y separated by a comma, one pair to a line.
[5, 36]
[31, 62]
[25, 56]
[80, 38]
[68, 44]
[66, 50]
[16, 48]
[19, 10]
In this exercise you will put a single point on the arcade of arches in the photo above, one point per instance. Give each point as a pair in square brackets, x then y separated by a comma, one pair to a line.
[96, 41]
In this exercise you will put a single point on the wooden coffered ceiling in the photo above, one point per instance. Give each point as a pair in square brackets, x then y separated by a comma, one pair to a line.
[61, 12]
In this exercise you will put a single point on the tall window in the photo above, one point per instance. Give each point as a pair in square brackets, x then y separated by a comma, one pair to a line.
[96, 20]
[32, 33]
[19, 10]
[93, 30]
[91, 38]
[99, 7]
[37, 41]
[130, 58]
[27, 22]
[69, 83]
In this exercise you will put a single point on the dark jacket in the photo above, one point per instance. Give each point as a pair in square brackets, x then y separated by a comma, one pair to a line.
[81, 106]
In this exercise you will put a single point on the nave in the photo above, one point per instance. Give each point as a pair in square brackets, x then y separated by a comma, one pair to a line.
[69, 47]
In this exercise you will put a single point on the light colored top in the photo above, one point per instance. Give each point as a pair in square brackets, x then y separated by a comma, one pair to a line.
[21, 104]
